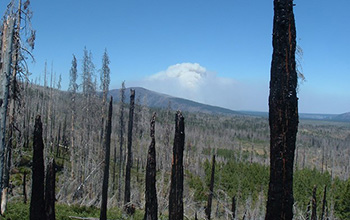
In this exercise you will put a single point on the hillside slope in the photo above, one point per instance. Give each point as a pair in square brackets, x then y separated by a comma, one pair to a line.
[159, 100]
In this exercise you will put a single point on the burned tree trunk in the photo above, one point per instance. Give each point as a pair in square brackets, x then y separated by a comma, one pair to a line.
[24, 187]
[151, 209]
[307, 216]
[5, 75]
[129, 157]
[314, 204]
[107, 146]
[176, 209]
[324, 203]
[50, 196]
[37, 206]
[12, 97]
[233, 208]
[211, 189]
[283, 113]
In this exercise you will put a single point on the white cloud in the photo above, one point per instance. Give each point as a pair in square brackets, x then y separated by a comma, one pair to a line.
[188, 75]
[193, 81]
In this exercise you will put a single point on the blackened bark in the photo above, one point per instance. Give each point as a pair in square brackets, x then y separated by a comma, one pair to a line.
[151, 209]
[283, 113]
[114, 168]
[37, 206]
[314, 204]
[211, 189]
[50, 191]
[233, 208]
[324, 202]
[176, 209]
[24, 187]
[307, 216]
[129, 157]
[107, 146]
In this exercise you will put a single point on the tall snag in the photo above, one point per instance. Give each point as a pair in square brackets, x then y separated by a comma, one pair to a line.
[24, 187]
[314, 204]
[105, 80]
[50, 197]
[5, 76]
[37, 206]
[283, 112]
[73, 87]
[121, 140]
[324, 203]
[211, 189]
[151, 209]
[129, 157]
[233, 208]
[107, 146]
[176, 209]
[12, 108]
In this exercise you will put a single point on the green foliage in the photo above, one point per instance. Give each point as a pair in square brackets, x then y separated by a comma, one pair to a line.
[16, 211]
[249, 179]
[239, 178]
[342, 207]
[20, 211]
[304, 182]
[196, 183]
[234, 178]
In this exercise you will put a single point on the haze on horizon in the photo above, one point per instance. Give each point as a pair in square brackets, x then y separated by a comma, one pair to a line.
[213, 53]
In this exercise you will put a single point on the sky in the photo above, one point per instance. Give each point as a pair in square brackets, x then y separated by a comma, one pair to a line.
[213, 52]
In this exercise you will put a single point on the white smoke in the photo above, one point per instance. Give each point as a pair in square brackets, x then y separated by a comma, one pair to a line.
[188, 75]
[194, 82]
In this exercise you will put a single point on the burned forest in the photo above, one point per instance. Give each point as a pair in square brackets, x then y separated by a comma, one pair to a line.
[90, 151]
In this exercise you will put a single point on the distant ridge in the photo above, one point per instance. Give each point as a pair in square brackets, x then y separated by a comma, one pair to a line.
[159, 100]
[307, 116]
[343, 117]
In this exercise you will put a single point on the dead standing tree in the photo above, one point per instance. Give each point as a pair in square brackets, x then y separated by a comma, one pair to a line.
[151, 209]
[176, 209]
[314, 204]
[283, 112]
[37, 206]
[105, 80]
[5, 75]
[107, 146]
[121, 141]
[233, 208]
[324, 203]
[129, 157]
[211, 190]
[73, 87]
[12, 107]
[50, 196]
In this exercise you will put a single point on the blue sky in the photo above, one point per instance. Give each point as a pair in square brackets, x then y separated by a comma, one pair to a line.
[216, 52]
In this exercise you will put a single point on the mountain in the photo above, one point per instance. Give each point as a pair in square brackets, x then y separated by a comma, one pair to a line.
[343, 117]
[159, 100]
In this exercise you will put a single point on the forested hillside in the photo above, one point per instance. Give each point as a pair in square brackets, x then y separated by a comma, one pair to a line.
[240, 143]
